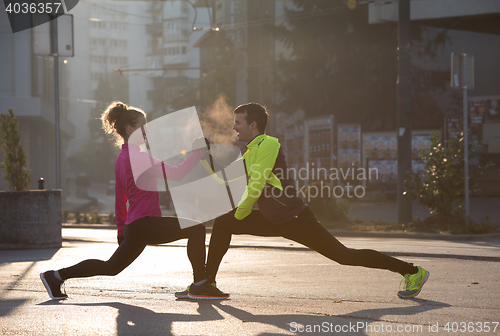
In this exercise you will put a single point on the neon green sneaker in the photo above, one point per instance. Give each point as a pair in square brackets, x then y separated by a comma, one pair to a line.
[413, 283]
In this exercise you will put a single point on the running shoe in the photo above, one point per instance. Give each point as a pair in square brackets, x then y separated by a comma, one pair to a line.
[183, 294]
[206, 291]
[413, 283]
[53, 285]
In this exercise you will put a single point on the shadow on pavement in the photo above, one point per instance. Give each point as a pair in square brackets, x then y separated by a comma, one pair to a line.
[133, 320]
[286, 322]
[374, 315]
[7, 306]
[21, 257]
[12, 256]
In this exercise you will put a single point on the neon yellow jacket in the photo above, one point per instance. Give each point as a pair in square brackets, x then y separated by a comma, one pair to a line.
[264, 159]
[260, 158]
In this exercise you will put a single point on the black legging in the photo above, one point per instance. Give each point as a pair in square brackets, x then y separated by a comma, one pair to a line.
[304, 229]
[138, 234]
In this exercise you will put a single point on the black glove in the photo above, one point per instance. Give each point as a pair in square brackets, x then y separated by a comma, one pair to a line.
[120, 239]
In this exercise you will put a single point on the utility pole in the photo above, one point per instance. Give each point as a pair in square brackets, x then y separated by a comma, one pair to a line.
[55, 54]
[462, 77]
[404, 111]
[53, 36]
[466, 149]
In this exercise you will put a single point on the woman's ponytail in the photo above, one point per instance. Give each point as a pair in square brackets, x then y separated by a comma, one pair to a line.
[117, 117]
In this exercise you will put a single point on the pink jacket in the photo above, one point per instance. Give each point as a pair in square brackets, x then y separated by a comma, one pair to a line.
[142, 192]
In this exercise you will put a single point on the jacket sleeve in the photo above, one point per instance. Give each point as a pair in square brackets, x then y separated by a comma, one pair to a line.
[120, 207]
[259, 173]
[154, 167]
[218, 168]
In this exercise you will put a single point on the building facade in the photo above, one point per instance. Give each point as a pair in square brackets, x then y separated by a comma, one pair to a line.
[27, 86]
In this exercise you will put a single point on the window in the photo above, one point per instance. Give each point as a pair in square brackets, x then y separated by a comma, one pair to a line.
[235, 7]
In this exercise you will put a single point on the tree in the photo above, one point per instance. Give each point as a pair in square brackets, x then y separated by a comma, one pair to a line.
[340, 64]
[218, 76]
[18, 177]
[440, 187]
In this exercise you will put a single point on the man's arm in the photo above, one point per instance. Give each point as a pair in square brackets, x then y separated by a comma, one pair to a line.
[259, 173]
[218, 168]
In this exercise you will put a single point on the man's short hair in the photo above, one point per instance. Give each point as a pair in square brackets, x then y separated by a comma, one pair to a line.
[254, 112]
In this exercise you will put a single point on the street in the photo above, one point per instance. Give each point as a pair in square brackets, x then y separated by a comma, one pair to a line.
[276, 286]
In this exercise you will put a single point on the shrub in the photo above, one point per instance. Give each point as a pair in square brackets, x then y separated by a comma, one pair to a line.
[65, 215]
[440, 187]
[111, 217]
[85, 219]
[18, 177]
[95, 218]
[78, 217]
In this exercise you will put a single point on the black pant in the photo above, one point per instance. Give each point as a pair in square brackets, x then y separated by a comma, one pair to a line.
[304, 229]
[142, 232]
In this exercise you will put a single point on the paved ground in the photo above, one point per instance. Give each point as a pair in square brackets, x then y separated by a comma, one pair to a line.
[277, 288]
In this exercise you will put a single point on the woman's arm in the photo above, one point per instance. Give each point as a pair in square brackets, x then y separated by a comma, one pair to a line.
[156, 168]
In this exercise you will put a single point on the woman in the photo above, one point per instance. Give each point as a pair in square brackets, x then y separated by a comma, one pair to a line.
[141, 224]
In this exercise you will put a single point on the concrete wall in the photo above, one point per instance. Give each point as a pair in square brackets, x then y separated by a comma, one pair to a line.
[30, 219]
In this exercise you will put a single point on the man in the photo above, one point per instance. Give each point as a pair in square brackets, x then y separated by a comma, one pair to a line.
[282, 213]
